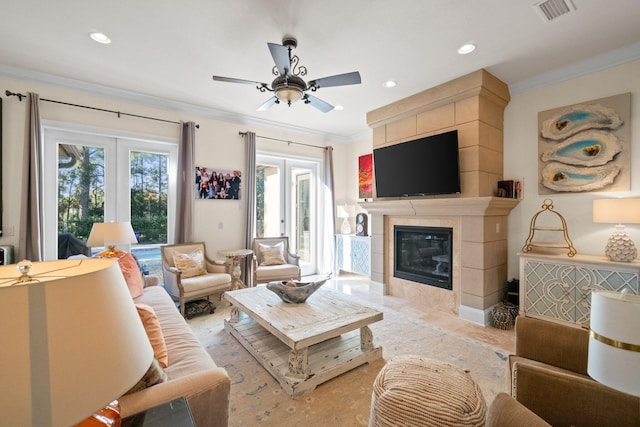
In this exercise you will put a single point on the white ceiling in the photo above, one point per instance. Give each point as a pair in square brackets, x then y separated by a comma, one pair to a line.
[170, 49]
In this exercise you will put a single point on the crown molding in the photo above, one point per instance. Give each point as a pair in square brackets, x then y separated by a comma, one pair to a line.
[164, 103]
[597, 63]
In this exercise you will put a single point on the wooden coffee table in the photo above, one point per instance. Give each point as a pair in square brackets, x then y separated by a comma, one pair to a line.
[303, 345]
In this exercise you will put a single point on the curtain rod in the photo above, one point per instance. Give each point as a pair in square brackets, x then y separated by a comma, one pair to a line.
[119, 113]
[285, 140]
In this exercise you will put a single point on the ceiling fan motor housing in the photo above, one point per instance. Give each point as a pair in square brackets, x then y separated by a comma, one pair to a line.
[289, 88]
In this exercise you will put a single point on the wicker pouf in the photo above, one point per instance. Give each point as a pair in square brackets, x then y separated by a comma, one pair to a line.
[417, 391]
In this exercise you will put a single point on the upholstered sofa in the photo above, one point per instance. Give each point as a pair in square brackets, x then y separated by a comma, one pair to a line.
[191, 373]
[548, 375]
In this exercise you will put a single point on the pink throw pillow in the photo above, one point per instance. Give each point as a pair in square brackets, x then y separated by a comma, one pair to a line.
[132, 274]
[154, 333]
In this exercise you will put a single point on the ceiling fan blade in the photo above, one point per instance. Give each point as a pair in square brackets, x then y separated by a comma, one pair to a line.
[232, 80]
[270, 102]
[321, 105]
[352, 78]
[280, 56]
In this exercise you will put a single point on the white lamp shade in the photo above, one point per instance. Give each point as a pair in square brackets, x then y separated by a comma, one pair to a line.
[614, 342]
[616, 211]
[72, 341]
[104, 234]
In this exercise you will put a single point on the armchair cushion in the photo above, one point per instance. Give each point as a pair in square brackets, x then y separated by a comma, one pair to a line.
[272, 255]
[190, 264]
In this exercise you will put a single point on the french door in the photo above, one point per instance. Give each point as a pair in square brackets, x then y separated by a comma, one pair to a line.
[287, 204]
[92, 177]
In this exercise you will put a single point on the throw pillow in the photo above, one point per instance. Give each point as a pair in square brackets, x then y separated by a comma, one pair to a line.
[132, 274]
[154, 333]
[190, 265]
[272, 255]
[154, 375]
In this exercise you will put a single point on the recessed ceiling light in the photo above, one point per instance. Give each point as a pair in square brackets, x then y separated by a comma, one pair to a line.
[466, 48]
[339, 107]
[390, 83]
[100, 37]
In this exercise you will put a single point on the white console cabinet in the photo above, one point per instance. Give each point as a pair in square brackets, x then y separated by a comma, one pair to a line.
[558, 288]
[353, 254]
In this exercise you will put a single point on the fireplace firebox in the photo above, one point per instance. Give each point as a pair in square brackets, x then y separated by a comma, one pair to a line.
[423, 255]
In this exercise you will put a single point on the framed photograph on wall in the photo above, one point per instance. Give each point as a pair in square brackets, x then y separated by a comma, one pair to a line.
[216, 183]
[365, 176]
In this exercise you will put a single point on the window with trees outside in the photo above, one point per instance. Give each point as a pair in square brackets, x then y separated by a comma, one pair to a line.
[102, 178]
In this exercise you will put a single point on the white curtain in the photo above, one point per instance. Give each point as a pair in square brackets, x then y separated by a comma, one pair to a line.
[185, 184]
[31, 245]
[249, 195]
[327, 262]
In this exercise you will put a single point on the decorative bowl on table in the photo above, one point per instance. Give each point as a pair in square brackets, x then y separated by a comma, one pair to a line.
[294, 292]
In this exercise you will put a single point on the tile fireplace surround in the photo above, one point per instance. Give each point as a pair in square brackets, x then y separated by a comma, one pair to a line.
[479, 251]
[474, 106]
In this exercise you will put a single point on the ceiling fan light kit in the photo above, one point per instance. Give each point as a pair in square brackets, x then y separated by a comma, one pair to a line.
[288, 85]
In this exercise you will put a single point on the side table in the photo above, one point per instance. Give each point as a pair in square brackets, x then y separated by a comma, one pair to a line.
[170, 414]
[235, 255]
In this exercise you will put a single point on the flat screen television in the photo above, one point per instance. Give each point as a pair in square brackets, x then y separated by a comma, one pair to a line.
[424, 166]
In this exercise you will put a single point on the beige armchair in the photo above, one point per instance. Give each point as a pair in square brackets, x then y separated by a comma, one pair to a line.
[190, 275]
[272, 260]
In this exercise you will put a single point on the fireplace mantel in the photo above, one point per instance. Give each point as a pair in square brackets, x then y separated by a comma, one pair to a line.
[463, 206]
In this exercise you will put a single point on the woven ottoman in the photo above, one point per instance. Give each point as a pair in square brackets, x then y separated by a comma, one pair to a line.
[417, 391]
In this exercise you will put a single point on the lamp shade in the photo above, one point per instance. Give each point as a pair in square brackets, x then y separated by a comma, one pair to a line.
[614, 341]
[616, 211]
[111, 234]
[342, 211]
[72, 341]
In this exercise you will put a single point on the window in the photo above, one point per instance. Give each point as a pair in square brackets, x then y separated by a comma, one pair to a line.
[91, 177]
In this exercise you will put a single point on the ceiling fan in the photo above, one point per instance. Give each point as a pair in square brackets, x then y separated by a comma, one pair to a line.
[288, 86]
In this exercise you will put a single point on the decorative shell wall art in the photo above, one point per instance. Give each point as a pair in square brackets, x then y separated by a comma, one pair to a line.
[562, 177]
[585, 147]
[588, 148]
[578, 118]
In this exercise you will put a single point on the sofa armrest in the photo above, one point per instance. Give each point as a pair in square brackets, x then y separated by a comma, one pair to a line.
[206, 391]
[562, 398]
[552, 343]
[505, 411]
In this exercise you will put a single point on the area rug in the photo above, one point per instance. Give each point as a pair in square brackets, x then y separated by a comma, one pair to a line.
[257, 399]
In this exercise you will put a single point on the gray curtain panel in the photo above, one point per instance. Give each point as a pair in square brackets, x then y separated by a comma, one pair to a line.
[249, 195]
[184, 192]
[31, 203]
[328, 257]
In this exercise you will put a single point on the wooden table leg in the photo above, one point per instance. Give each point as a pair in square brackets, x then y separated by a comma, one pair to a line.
[366, 338]
[299, 363]
[235, 314]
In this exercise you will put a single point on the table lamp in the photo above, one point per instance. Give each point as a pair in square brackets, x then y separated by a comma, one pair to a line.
[110, 234]
[614, 340]
[72, 341]
[343, 212]
[620, 247]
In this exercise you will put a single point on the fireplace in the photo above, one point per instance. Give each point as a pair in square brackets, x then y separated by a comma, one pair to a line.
[423, 255]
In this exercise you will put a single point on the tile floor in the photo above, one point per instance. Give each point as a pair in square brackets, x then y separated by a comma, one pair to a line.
[353, 283]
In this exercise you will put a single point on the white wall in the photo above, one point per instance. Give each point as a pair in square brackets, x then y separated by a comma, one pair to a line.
[217, 145]
[521, 156]
[346, 174]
